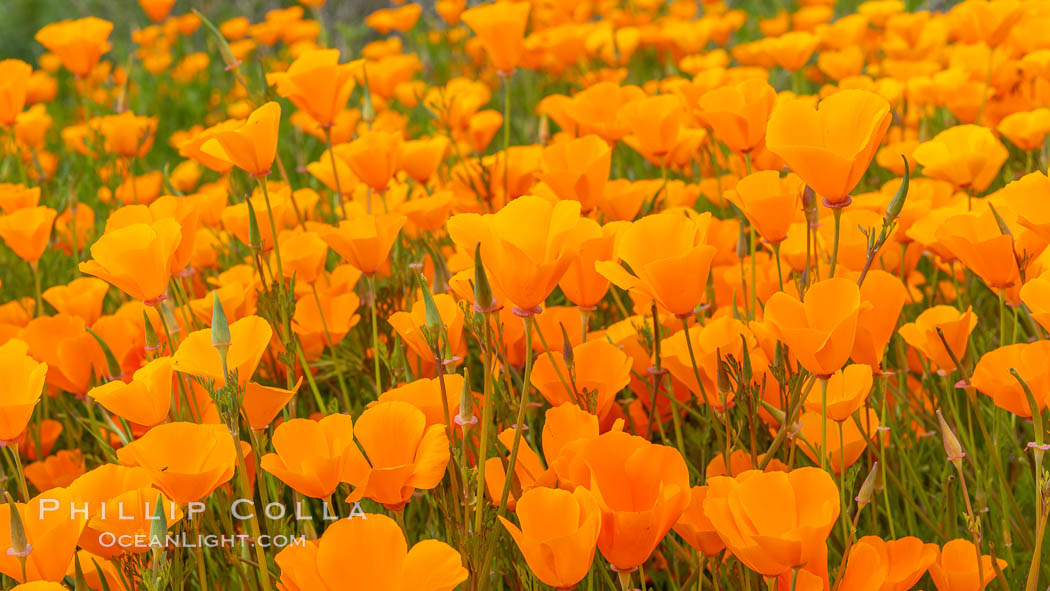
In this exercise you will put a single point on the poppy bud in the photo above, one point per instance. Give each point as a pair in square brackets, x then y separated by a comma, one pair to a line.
[159, 528]
[867, 489]
[809, 205]
[745, 368]
[778, 414]
[897, 203]
[152, 342]
[566, 347]
[220, 331]
[951, 442]
[434, 325]
[19, 545]
[725, 387]
[466, 409]
[254, 238]
[112, 366]
[484, 302]
[1000, 221]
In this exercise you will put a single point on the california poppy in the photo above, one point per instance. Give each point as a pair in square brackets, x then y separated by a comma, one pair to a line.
[578, 169]
[136, 259]
[146, 400]
[364, 241]
[968, 156]
[26, 231]
[738, 113]
[820, 330]
[27, 384]
[956, 567]
[770, 203]
[599, 370]
[77, 43]
[187, 460]
[316, 83]
[15, 77]
[197, 356]
[373, 157]
[896, 564]
[993, 376]
[252, 146]
[312, 455]
[924, 334]
[848, 388]
[501, 28]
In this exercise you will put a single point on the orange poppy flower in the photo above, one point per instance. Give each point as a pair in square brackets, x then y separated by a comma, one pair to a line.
[327, 325]
[559, 530]
[1024, 196]
[26, 386]
[14, 76]
[191, 146]
[26, 231]
[990, 22]
[14, 197]
[845, 441]
[421, 158]
[897, 564]
[848, 388]
[956, 567]
[791, 50]
[71, 354]
[882, 298]
[599, 371]
[303, 254]
[312, 455]
[738, 113]
[370, 554]
[81, 297]
[577, 169]
[136, 259]
[1026, 129]
[78, 44]
[400, 19]
[157, 10]
[819, 331]
[582, 284]
[654, 122]
[641, 488]
[249, 338]
[47, 433]
[128, 135]
[187, 461]
[775, 521]
[316, 83]
[992, 376]
[770, 203]
[596, 109]
[402, 454]
[410, 325]
[425, 394]
[956, 327]
[261, 404]
[51, 531]
[829, 146]
[252, 146]
[978, 242]
[1035, 294]
[145, 400]
[739, 462]
[669, 259]
[696, 529]
[500, 26]
[967, 156]
[524, 246]
[364, 241]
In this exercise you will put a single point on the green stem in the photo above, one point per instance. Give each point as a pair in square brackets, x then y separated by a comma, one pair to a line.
[375, 333]
[519, 426]
[335, 172]
[279, 280]
[837, 215]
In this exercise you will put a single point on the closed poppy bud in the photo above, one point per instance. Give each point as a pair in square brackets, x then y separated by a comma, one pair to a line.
[372, 157]
[820, 331]
[738, 113]
[26, 231]
[968, 156]
[401, 454]
[501, 28]
[655, 122]
[559, 530]
[317, 84]
[829, 155]
[421, 158]
[848, 388]
[145, 400]
[187, 460]
[696, 529]
[956, 327]
[769, 202]
[484, 302]
[24, 390]
[798, 509]
[669, 258]
[578, 169]
[14, 76]
[311, 455]
[952, 447]
[956, 568]
[251, 147]
[365, 241]
[136, 259]
[78, 44]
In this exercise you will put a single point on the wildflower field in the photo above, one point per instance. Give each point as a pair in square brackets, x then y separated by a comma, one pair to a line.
[522, 295]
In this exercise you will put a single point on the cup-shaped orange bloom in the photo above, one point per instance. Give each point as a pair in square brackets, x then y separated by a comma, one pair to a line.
[26, 231]
[821, 330]
[78, 44]
[144, 401]
[582, 284]
[992, 376]
[402, 454]
[157, 10]
[51, 531]
[600, 370]
[261, 404]
[791, 50]
[326, 325]
[956, 327]
[373, 157]
[364, 241]
[421, 158]
[369, 554]
[501, 28]
[967, 156]
[186, 460]
[830, 146]
[400, 19]
[197, 356]
[524, 246]
[669, 260]
[128, 135]
[848, 388]
[775, 521]
[738, 113]
[882, 299]
[425, 394]
[1035, 294]
[770, 203]
[96, 488]
[80, 297]
[14, 77]
[844, 441]
[1026, 129]
[956, 567]
[890, 566]
[23, 391]
[577, 169]
[317, 84]
[696, 529]
[312, 455]
[655, 122]
[1026, 197]
[410, 325]
[136, 259]
[641, 488]
[251, 146]
[558, 533]
[990, 22]
[978, 242]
